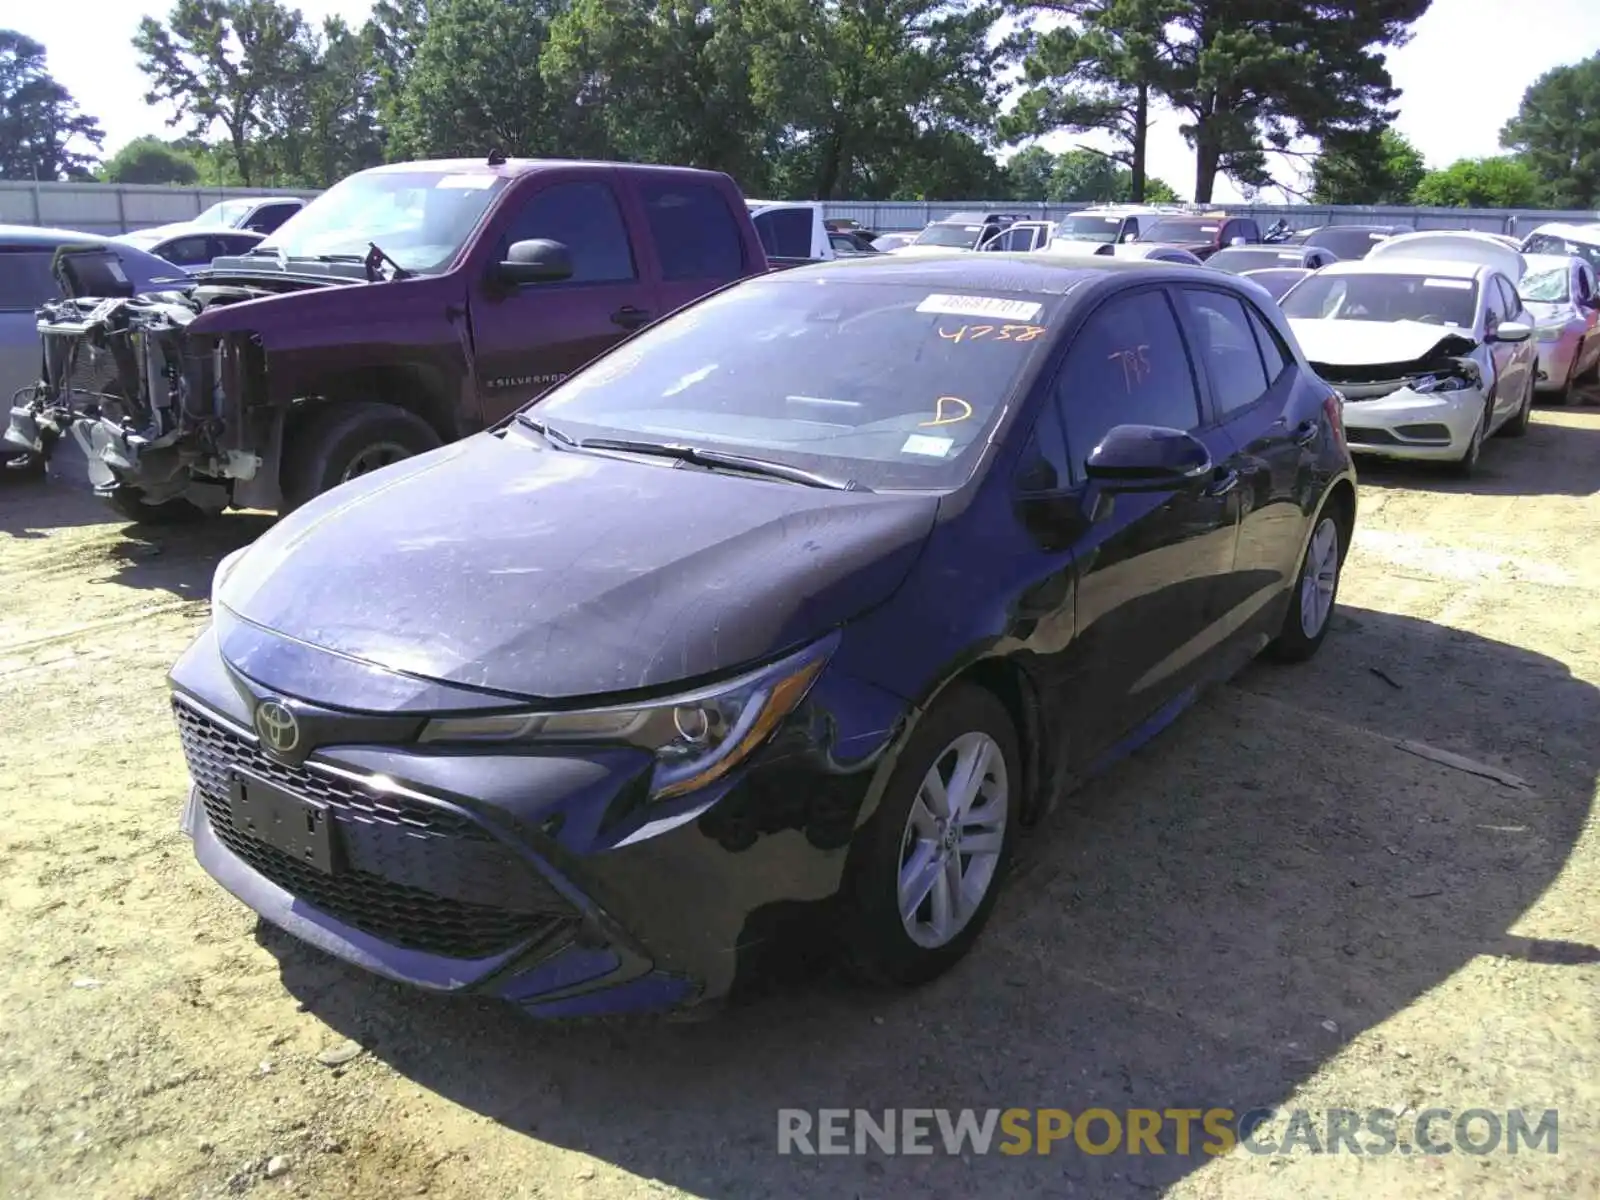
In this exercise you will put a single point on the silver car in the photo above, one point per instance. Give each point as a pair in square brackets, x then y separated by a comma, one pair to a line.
[1560, 293]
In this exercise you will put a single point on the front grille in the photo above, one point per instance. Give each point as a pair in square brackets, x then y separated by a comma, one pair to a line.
[1425, 433]
[413, 873]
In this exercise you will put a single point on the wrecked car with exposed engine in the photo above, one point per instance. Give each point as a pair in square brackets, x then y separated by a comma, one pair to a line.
[1432, 358]
[409, 305]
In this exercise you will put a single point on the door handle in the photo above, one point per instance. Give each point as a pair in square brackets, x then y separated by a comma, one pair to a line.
[1223, 481]
[629, 317]
[1305, 433]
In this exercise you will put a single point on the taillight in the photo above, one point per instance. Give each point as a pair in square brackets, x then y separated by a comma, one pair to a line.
[1334, 407]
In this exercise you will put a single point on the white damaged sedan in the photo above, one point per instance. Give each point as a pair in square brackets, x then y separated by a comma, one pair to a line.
[1432, 357]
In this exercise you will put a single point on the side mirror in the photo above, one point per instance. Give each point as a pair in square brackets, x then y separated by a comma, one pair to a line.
[1511, 331]
[1237, 241]
[537, 260]
[1127, 237]
[1147, 457]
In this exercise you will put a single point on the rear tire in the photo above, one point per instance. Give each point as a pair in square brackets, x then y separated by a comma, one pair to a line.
[347, 440]
[894, 933]
[1315, 591]
[130, 503]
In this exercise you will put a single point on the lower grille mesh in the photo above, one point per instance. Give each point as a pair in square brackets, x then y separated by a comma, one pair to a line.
[414, 874]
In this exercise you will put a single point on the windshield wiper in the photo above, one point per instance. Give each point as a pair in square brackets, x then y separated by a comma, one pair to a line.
[540, 427]
[732, 462]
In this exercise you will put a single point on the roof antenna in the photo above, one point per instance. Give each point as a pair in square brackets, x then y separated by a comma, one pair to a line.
[497, 158]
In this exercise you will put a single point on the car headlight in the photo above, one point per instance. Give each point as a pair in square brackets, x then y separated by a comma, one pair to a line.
[1549, 333]
[696, 737]
[1428, 385]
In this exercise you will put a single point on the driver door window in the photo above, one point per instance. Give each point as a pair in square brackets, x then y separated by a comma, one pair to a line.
[586, 219]
[1494, 307]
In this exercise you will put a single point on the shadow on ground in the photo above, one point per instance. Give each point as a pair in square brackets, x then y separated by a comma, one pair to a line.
[1178, 937]
[179, 559]
[1558, 456]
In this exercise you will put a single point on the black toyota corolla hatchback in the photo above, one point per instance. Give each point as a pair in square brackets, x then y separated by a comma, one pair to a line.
[805, 602]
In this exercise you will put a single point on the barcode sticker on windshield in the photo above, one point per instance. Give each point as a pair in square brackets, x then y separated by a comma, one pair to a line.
[469, 182]
[980, 306]
[924, 443]
[1459, 284]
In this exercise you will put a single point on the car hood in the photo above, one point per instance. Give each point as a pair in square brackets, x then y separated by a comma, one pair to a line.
[498, 563]
[1359, 343]
[1547, 311]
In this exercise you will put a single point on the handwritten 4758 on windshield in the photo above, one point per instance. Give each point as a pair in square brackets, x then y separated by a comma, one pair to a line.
[1135, 365]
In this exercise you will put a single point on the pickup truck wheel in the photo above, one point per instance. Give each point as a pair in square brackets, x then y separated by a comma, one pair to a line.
[130, 502]
[346, 441]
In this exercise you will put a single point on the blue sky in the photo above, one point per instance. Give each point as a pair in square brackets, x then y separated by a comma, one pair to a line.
[1462, 75]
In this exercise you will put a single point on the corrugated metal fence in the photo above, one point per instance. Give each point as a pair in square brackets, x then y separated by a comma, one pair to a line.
[117, 208]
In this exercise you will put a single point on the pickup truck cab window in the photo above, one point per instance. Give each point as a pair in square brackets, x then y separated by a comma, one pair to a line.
[696, 236]
[785, 232]
[584, 217]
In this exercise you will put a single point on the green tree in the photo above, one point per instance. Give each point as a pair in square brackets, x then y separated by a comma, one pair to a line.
[321, 119]
[1481, 183]
[1557, 132]
[1092, 70]
[1028, 174]
[150, 160]
[1088, 175]
[1367, 168]
[660, 81]
[219, 62]
[43, 133]
[473, 83]
[850, 90]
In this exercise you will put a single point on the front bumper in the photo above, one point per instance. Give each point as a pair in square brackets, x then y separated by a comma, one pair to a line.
[514, 875]
[1406, 424]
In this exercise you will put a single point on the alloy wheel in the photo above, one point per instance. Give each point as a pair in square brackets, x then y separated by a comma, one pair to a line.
[953, 838]
[1319, 578]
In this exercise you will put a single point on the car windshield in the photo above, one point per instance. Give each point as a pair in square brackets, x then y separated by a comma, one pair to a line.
[1432, 300]
[1241, 258]
[1349, 243]
[1545, 287]
[1183, 229]
[890, 385]
[419, 218]
[1277, 281]
[1089, 229]
[965, 236]
[225, 213]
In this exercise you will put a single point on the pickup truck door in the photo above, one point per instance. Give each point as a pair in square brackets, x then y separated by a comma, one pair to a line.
[695, 242]
[528, 338]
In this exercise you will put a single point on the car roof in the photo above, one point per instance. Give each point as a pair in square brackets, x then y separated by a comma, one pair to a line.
[1448, 245]
[1444, 268]
[514, 168]
[34, 235]
[1588, 232]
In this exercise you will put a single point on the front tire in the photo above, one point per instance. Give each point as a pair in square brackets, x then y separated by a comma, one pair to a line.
[926, 869]
[1468, 462]
[1517, 426]
[1316, 588]
[347, 440]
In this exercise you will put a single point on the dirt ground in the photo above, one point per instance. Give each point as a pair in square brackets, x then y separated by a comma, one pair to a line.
[1273, 905]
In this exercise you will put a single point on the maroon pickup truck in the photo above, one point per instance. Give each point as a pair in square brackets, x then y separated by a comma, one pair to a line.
[407, 306]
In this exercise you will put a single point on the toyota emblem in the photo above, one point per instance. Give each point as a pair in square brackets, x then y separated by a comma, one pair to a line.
[277, 726]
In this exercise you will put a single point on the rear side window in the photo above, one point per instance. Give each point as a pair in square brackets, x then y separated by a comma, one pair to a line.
[1585, 283]
[25, 280]
[1127, 366]
[585, 218]
[188, 251]
[1227, 347]
[695, 234]
[785, 232]
[269, 216]
[1273, 352]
